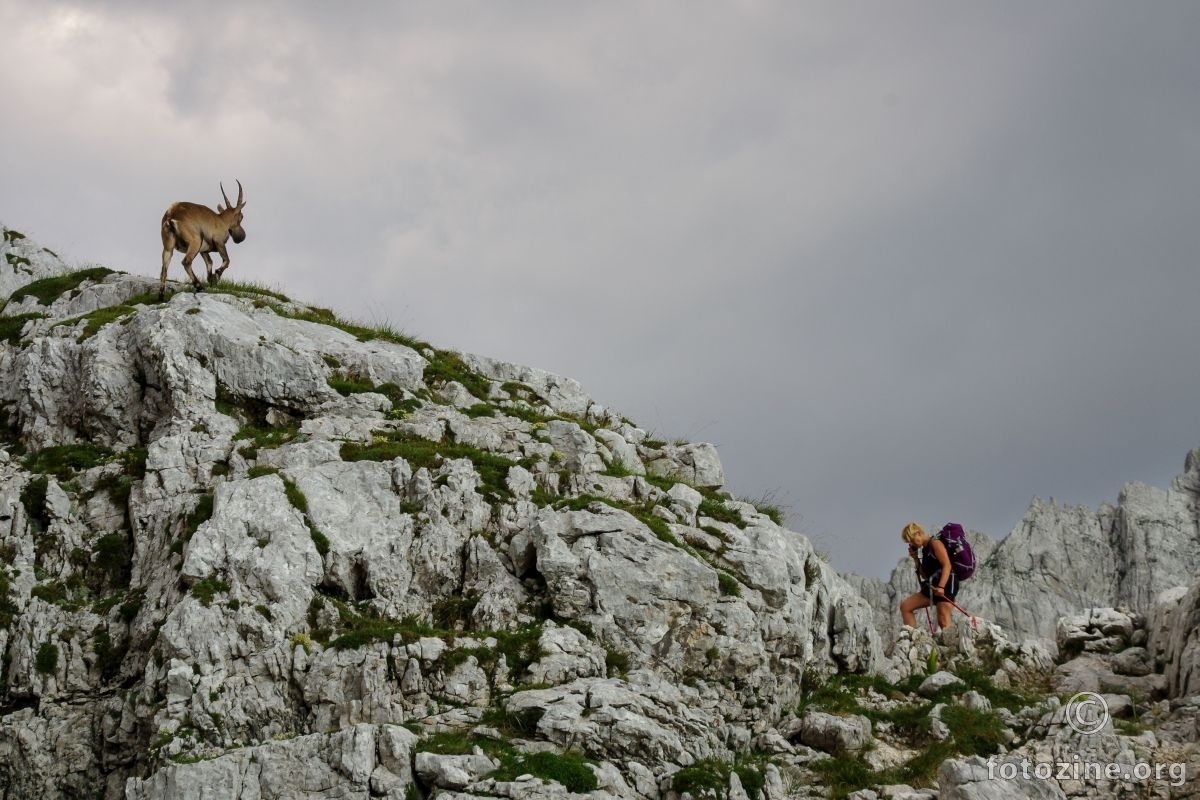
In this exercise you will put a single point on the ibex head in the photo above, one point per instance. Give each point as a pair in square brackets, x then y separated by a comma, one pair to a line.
[236, 232]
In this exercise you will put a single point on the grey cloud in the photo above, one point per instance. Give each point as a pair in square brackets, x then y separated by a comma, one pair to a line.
[899, 263]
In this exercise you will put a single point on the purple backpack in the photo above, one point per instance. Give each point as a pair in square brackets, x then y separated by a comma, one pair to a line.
[962, 558]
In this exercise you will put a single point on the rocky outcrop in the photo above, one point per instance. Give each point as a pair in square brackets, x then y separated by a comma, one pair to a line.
[252, 549]
[1060, 559]
[1174, 641]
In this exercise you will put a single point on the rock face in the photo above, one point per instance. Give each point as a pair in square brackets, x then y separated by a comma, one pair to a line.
[249, 550]
[1174, 642]
[1060, 559]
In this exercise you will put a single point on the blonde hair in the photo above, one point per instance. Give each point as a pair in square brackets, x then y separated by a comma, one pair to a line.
[912, 531]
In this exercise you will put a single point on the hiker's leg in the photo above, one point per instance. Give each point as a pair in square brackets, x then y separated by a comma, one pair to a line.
[910, 605]
[943, 612]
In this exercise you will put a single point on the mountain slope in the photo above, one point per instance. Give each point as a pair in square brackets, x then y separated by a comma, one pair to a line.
[251, 547]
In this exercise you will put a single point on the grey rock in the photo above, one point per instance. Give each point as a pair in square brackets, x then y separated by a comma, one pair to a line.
[937, 682]
[834, 734]
[976, 779]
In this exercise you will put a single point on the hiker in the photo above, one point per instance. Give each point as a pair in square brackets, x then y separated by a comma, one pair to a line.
[939, 584]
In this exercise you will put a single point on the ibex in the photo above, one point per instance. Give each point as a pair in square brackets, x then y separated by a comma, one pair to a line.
[192, 228]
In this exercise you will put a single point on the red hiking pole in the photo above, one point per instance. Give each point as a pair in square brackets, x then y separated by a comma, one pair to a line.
[974, 624]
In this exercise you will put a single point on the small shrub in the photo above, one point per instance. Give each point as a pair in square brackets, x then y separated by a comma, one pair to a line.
[207, 589]
[33, 497]
[616, 662]
[46, 660]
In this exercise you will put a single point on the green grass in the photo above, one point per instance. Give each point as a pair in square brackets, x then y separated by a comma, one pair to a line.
[63, 461]
[207, 589]
[642, 511]
[715, 508]
[350, 384]
[300, 502]
[11, 327]
[246, 289]
[98, 319]
[418, 452]
[33, 497]
[199, 515]
[709, 777]
[108, 656]
[570, 769]
[728, 585]
[445, 366]
[363, 332]
[47, 290]
[46, 660]
[972, 732]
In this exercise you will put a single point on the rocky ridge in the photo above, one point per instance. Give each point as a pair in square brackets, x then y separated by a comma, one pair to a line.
[248, 545]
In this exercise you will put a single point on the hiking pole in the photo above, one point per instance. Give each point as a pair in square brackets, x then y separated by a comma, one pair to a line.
[974, 624]
[929, 619]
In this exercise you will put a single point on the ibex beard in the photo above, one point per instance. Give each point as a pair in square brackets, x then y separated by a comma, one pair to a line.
[194, 229]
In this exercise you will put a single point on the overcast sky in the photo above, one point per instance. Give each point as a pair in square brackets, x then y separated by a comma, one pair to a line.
[921, 260]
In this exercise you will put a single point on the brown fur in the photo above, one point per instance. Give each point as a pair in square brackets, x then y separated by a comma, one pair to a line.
[193, 230]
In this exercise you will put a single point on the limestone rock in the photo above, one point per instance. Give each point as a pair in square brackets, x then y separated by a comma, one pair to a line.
[834, 734]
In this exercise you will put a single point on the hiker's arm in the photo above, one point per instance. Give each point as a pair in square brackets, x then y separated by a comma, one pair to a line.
[943, 557]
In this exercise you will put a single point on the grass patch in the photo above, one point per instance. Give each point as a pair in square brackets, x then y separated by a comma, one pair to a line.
[300, 502]
[11, 327]
[348, 385]
[616, 662]
[728, 585]
[47, 290]
[63, 461]
[570, 769]
[98, 319]
[418, 452]
[514, 724]
[364, 333]
[246, 288]
[199, 515]
[207, 589]
[715, 508]
[454, 612]
[709, 777]
[120, 485]
[643, 512]
[445, 366]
